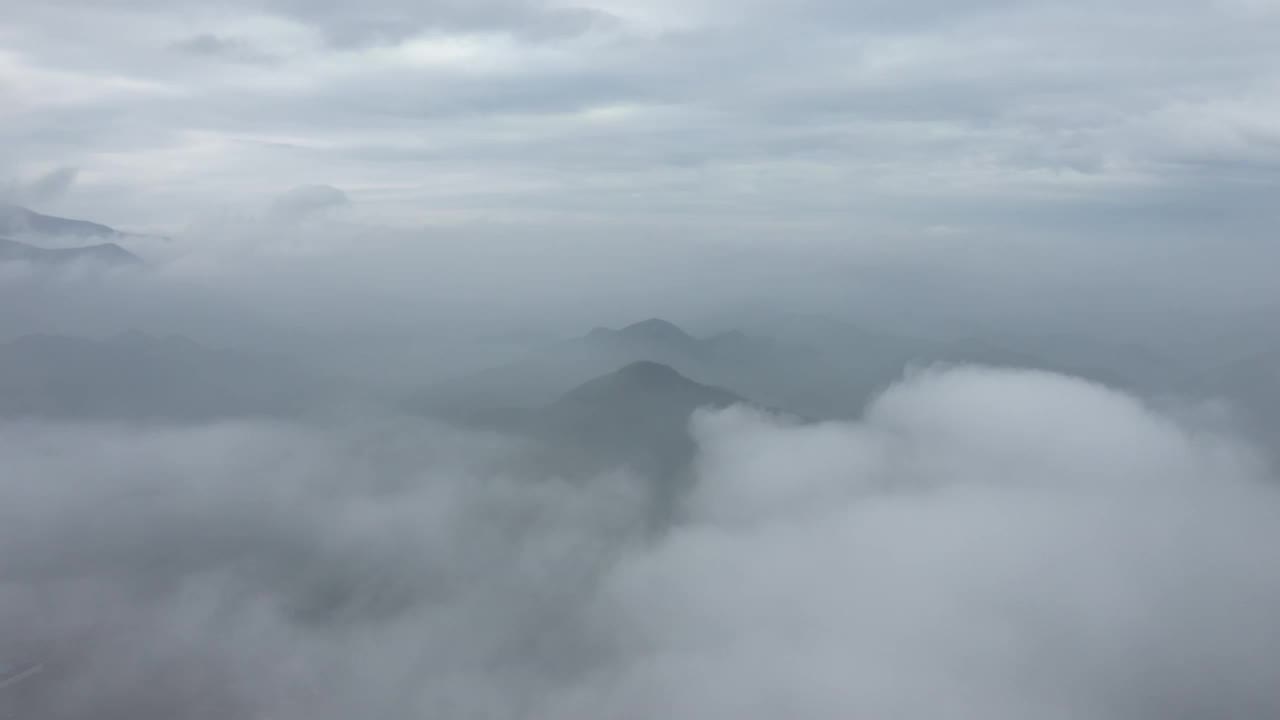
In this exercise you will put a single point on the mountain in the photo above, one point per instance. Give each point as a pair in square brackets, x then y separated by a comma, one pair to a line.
[811, 366]
[102, 254]
[642, 391]
[135, 376]
[540, 377]
[635, 418]
[654, 331]
[828, 373]
[16, 221]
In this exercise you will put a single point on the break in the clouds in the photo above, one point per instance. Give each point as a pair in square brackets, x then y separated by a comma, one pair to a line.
[961, 119]
[981, 544]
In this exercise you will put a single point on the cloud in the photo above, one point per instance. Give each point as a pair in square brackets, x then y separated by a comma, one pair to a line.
[217, 46]
[985, 544]
[298, 572]
[305, 200]
[52, 185]
[982, 545]
[1056, 140]
[387, 22]
[885, 115]
[48, 187]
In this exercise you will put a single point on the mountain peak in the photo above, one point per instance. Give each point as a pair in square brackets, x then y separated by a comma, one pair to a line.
[647, 379]
[649, 372]
[17, 220]
[644, 375]
[655, 329]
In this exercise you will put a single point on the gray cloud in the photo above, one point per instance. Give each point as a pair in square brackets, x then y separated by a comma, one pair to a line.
[51, 186]
[45, 188]
[1047, 142]
[216, 46]
[813, 107]
[306, 200]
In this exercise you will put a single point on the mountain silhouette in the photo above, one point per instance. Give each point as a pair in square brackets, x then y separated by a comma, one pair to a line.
[635, 419]
[103, 254]
[643, 383]
[17, 221]
[541, 376]
[653, 330]
[814, 368]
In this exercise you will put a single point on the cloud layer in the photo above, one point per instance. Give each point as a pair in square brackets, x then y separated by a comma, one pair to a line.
[984, 544]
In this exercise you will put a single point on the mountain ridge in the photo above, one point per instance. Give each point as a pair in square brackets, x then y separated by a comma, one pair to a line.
[102, 253]
[18, 220]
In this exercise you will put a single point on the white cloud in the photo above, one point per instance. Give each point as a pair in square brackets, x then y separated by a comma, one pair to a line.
[984, 544]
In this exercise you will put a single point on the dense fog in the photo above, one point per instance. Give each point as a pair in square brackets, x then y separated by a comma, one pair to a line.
[983, 543]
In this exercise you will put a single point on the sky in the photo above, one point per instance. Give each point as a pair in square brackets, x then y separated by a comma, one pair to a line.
[1010, 160]
[918, 116]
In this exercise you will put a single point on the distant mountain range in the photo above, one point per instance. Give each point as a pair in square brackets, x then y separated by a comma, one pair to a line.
[609, 400]
[29, 226]
[103, 254]
[16, 221]
[819, 370]
[623, 398]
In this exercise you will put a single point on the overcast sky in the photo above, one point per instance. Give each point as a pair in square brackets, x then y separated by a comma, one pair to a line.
[966, 113]
[1136, 140]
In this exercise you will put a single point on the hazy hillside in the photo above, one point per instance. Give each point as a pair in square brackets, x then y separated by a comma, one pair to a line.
[540, 377]
[638, 415]
[104, 254]
[635, 419]
[16, 221]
